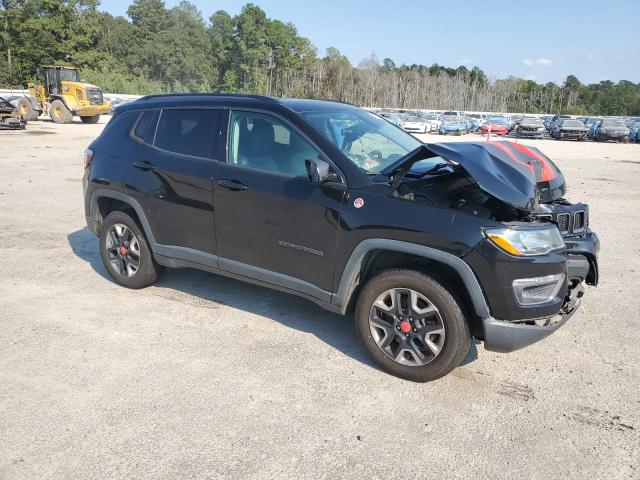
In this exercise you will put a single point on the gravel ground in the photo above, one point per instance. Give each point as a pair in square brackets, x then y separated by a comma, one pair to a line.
[205, 377]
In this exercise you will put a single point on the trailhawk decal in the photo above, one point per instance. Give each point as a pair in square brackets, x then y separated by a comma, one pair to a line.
[302, 248]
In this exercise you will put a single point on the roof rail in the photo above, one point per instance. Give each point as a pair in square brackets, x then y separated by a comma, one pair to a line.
[210, 94]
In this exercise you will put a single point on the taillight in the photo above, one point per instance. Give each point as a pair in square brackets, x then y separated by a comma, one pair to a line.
[88, 156]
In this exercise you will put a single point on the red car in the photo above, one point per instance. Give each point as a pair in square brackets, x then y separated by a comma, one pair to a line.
[497, 126]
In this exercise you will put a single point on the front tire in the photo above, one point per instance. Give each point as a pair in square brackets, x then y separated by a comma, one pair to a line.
[125, 252]
[59, 112]
[411, 325]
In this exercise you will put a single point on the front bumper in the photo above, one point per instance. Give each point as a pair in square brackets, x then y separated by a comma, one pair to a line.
[503, 336]
[611, 135]
[570, 134]
[90, 111]
[12, 123]
[530, 133]
[507, 336]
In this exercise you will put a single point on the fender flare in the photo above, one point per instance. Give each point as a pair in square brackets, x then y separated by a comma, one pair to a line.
[132, 202]
[59, 96]
[350, 277]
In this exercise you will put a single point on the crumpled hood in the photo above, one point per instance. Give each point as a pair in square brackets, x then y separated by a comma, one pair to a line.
[518, 175]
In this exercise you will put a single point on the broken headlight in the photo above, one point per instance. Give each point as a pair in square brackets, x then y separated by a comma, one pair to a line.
[526, 241]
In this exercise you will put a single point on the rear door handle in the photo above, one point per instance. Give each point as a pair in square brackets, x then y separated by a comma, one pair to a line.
[232, 184]
[144, 165]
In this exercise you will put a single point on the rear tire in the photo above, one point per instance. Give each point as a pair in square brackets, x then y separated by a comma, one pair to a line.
[431, 339]
[92, 119]
[25, 107]
[125, 252]
[59, 112]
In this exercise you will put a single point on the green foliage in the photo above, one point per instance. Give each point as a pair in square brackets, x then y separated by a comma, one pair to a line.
[160, 49]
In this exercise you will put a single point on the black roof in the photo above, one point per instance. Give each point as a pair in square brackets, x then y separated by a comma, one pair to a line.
[231, 99]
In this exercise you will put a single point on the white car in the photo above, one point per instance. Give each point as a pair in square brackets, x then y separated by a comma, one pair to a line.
[434, 121]
[415, 124]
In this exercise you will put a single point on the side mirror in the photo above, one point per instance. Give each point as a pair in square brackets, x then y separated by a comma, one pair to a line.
[319, 172]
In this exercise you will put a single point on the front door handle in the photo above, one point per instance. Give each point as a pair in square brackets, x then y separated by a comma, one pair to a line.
[232, 184]
[147, 166]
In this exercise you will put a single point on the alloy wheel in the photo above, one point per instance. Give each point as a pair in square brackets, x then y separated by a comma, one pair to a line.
[123, 250]
[407, 327]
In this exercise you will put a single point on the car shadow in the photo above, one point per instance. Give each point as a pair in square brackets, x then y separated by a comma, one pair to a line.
[289, 310]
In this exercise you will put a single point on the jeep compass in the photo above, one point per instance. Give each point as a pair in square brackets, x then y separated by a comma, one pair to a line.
[427, 245]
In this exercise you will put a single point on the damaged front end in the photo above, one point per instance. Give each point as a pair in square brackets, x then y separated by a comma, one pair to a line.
[530, 294]
[10, 119]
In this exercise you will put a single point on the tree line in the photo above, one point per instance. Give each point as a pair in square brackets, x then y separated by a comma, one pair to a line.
[157, 49]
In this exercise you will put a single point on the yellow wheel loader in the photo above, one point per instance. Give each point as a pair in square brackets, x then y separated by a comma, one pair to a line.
[62, 95]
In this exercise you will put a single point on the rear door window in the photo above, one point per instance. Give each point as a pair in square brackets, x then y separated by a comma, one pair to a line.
[193, 132]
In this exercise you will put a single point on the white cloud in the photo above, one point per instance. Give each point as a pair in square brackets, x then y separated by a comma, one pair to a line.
[591, 56]
[464, 61]
[539, 62]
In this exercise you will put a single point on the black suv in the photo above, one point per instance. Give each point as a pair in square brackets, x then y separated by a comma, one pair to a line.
[428, 245]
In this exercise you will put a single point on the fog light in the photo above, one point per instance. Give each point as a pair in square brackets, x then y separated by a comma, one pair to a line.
[537, 290]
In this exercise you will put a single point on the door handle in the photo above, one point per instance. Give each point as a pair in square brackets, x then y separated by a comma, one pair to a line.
[147, 166]
[232, 185]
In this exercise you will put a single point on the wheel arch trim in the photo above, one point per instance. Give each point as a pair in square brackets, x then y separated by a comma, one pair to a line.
[99, 193]
[350, 277]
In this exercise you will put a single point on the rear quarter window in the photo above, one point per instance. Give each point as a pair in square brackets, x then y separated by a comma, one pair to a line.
[141, 129]
[119, 126]
[193, 132]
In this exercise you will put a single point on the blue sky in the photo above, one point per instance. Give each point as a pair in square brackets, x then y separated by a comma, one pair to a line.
[538, 39]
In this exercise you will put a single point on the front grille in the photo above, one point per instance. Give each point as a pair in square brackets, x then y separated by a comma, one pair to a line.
[563, 222]
[579, 221]
[95, 96]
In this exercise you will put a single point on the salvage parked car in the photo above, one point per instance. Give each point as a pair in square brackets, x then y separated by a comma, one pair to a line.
[453, 124]
[634, 130]
[415, 124]
[555, 119]
[10, 118]
[568, 128]
[428, 244]
[530, 127]
[611, 129]
[434, 121]
[498, 125]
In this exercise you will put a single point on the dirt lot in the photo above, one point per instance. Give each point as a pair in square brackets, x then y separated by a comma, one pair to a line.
[205, 377]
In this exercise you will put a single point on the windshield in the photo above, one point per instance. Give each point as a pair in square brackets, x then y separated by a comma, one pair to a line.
[498, 120]
[572, 123]
[367, 140]
[451, 119]
[609, 122]
[69, 75]
[414, 119]
[431, 117]
[531, 121]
